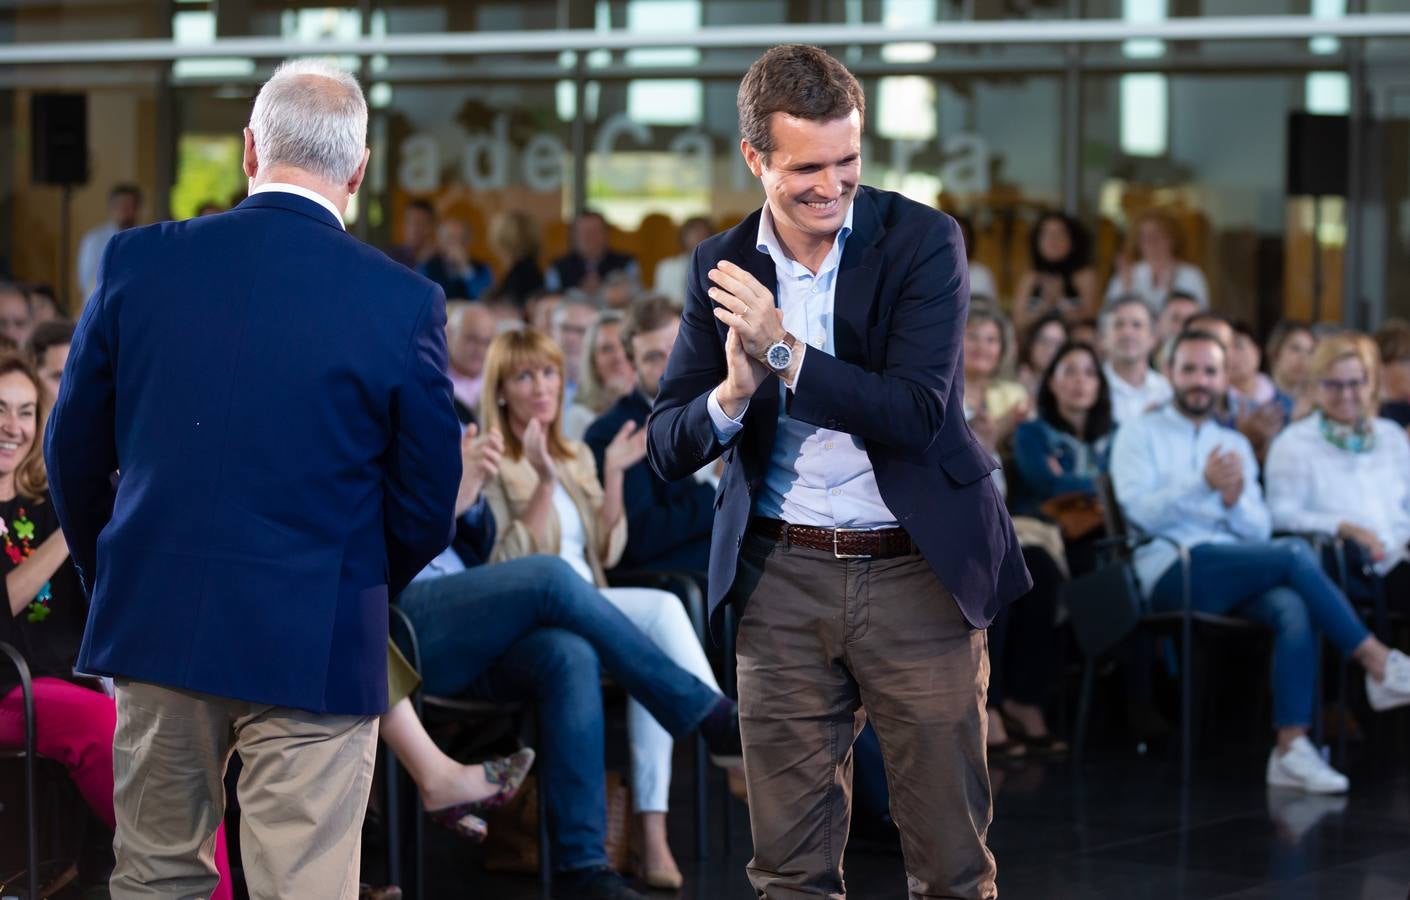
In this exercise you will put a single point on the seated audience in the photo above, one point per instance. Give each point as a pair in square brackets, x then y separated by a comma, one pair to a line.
[669, 522]
[48, 351]
[1344, 472]
[1085, 331]
[591, 259]
[669, 280]
[1067, 445]
[1290, 347]
[1060, 278]
[1260, 424]
[1174, 313]
[1393, 340]
[43, 305]
[619, 290]
[1249, 388]
[982, 285]
[1180, 474]
[996, 402]
[532, 629]
[1151, 267]
[16, 318]
[571, 321]
[1036, 350]
[606, 375]
[461, 277]
[515, 237]
[548, 498]
[46, 614]
[539, 310]
[469, 330]
[1128, 337]
[418, 235]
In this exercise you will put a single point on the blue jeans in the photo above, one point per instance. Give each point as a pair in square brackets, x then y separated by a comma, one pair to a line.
[1281, 584]
[533, 629]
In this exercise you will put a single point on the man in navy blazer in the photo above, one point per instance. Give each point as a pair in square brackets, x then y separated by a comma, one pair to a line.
[273, 393]
[857, 533]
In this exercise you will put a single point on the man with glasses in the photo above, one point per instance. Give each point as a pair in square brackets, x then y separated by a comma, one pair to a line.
[1178, 473]
[472, 327]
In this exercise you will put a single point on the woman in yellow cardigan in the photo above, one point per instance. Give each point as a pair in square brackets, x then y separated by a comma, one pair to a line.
[548, 499]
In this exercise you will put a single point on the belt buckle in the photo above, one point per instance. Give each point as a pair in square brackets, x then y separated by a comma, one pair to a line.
[839, 554]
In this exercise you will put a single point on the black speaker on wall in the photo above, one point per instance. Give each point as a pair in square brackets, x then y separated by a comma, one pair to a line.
[58, 127]
[1318, 155]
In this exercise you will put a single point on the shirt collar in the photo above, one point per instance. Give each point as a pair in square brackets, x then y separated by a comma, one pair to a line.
[767, 242]
[304, 193]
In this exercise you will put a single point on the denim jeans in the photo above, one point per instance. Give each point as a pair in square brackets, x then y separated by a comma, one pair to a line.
[1281, 584]
[533, 629]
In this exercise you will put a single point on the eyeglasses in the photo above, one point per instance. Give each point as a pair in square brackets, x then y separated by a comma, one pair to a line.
[1336, 386]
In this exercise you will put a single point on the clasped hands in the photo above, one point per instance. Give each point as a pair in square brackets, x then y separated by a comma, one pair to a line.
[755, 324]
[1224, 472]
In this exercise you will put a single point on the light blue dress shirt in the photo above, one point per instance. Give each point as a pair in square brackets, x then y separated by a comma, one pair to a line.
[1157, 470]
[816, 476]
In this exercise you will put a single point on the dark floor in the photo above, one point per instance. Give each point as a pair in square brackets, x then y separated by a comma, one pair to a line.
[1120, 828]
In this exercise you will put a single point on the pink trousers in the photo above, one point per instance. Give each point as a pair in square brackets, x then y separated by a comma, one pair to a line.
[74, 727]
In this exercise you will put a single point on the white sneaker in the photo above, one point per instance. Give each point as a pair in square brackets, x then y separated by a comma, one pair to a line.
[1302, 768]
[1395, 689]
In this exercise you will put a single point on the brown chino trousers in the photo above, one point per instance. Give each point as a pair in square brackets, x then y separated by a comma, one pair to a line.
[824, 644]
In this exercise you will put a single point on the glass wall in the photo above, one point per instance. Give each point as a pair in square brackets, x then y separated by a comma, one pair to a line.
[997, 130]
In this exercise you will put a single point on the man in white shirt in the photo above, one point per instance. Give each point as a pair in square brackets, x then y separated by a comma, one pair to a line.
[1180, 474]
[124, 208]
[1128, 338]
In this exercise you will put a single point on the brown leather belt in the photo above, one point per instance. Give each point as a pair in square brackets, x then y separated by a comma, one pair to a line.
[844, 543]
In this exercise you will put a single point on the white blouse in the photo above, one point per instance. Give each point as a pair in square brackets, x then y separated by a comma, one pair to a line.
[1313, 485]
[572, 544]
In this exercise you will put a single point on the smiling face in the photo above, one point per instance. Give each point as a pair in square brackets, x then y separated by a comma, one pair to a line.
[609, 359]
[19, 415]
[1054, 241]
[1199, 377]
[810, 177]
[1344, 394]
[1127, 334]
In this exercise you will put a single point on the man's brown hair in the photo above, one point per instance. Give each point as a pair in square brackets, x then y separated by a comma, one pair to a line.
[646, 315]
[797, 80]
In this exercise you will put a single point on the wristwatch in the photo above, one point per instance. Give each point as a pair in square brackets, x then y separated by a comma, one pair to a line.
[780, 355]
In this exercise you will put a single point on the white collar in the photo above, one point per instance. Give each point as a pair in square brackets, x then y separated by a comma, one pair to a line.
[767, 242]
[304, 193]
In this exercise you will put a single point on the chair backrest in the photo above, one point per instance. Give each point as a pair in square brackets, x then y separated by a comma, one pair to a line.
[1116, 526]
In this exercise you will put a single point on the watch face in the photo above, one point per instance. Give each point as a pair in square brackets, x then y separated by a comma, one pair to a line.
[780, 356]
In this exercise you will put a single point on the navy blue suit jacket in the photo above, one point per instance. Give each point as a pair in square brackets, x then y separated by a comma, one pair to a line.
[897, 383]
[668, 522]
[273, 392]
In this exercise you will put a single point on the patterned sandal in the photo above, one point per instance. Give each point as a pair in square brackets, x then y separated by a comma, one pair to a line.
[509, 773]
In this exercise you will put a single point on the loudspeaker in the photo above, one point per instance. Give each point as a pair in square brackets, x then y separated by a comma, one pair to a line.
[58, 127]
[1318, 155]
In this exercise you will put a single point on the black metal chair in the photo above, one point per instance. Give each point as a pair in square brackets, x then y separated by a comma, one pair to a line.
[1122, 542]
[456, 710]
[30, 756]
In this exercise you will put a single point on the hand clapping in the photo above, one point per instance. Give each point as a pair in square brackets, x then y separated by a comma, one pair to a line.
[1224, 471]
[480, 457]
[626, 450]
[536, 451]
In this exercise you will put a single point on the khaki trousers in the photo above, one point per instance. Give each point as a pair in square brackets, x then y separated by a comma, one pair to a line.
[824, 644]
[303, 793]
